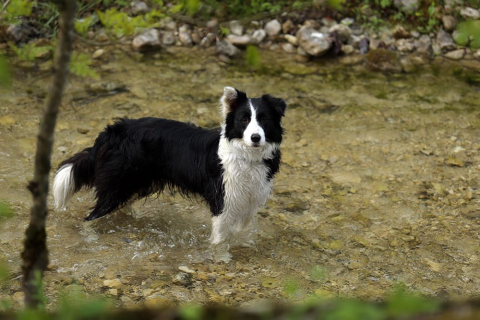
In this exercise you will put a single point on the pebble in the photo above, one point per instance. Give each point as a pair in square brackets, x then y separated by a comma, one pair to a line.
[236, 28]
[273, 28]
[238, 40]
[98, 53]
[291, 39]
[455, 55]
[288, 47]
[258, 36]
[114, 283]
[139, 7]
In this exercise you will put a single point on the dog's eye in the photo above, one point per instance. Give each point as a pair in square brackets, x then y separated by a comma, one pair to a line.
[244, 120]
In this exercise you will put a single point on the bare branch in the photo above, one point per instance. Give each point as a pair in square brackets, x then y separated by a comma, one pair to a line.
[35, 254]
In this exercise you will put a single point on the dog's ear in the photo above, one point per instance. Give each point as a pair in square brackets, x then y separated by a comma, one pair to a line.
[231, 99]
[277, 104]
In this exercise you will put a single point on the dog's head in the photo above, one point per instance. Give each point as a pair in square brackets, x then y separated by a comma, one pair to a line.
[253, 123]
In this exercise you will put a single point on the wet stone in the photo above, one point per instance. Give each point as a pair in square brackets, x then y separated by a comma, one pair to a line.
[183, 279]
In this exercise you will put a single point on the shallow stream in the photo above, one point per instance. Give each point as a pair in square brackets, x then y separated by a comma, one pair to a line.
[380, 184]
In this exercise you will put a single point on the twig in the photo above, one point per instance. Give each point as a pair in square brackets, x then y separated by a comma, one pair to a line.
[35, 253]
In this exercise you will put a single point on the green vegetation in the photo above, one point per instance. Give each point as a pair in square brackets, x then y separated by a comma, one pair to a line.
[468, 34]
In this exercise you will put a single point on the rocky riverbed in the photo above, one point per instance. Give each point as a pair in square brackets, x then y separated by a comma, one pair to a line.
[379, 184]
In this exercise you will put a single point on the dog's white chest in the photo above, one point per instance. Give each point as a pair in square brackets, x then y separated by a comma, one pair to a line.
[246, 184]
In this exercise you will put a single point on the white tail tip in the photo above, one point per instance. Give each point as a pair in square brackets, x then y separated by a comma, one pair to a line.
[63, 186]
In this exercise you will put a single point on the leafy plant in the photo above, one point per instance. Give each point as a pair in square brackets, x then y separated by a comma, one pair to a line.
[81, 26]
[18, 8]
[80, 65]
[403, 303]
[468, 33]
[29, 51]
[119, 23]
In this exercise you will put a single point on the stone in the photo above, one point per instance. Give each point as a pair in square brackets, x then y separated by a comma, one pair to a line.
[212, 24]
[101, 36]
[98, 53]
[383, 60]
[476, 55]
[449, 23]
[226, 48]
[468, 13]
[168, 24]
[407, 6]
[139, 7]
[291, 39]
[150, 39]
[455, 54]
[347, 49]
[415, 34]
[113, 283]
[343, 32]
[288, 26]
[288, 47]
[168, 38]
[183, 279]
[17, 33]
[273, 28]
[312, 41]
[208, 40]
[239, 40]
[184, 35]
[424, 45]
[196, 36]
[347, 21]
[258, 36]
[405, 45]
[400, 33]
[236, 28]
[445, 41]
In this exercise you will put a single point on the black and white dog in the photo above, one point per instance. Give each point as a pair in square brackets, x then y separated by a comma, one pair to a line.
[231, 169]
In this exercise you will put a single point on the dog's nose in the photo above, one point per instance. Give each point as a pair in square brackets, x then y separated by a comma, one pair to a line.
[255, 137]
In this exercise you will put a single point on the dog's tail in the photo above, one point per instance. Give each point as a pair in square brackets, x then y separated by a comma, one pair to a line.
[72, 175]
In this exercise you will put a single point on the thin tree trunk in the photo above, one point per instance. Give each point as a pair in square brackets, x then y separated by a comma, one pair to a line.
[35, 254]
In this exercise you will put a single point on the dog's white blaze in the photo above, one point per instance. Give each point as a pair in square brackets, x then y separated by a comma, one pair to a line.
[252, 128]
[63, 186]
[246, 185]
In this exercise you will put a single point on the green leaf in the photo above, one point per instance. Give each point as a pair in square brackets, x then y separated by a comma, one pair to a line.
[18, 8]
[354, 310]
[193, 6]
[80, 65]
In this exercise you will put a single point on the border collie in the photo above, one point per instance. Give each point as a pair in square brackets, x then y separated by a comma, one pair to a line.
[231, 169]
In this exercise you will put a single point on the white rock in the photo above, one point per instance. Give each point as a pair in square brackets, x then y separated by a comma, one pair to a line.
[469, 13]
[288, 47]
[236, 28]
[98, 53]
[455, 54]
[347, 48]
[168, 38]
[239, 40]
[208, 40]
[148, 39]
[342, 30]
[273, 27]
[258, 36]
[291, 39]
[476, 55]
[139, 7]
[313, 42]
